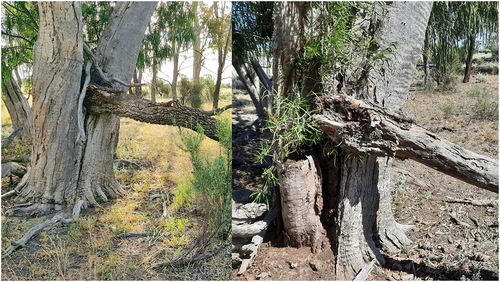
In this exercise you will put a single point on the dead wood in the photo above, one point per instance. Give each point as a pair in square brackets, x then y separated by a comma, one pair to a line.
[13, 168]
[361, 127]
[194, 259]
[60, 217]
[19, 186]
[130, 235]
[116, 101]
[485, 202]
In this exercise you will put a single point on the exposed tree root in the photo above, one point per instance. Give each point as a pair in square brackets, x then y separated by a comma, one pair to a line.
[13, 168]
[19, 186]
[60, 217]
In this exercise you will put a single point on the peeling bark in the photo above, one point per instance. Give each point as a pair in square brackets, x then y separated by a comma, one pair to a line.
[19, 110]
[301, 201]
[365, 128]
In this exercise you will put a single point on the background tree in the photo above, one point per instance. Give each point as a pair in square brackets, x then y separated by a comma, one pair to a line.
[19, 29]
[180, 34]
[471, 21]
[252, 30]
[219, 30]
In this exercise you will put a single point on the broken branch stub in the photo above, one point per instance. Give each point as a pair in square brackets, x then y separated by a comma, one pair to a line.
[365, 128]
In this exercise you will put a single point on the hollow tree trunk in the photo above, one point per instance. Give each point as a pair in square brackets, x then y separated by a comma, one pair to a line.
[19, 110]
[63, 171]
[301, 201]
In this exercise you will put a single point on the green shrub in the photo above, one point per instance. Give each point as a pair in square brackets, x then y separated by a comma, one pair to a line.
[185, 88]
[208, 86]
[448, 109]
[212, 179]
[195, 96]
[484, 109]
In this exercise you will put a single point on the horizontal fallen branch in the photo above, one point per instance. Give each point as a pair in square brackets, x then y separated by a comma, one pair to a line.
[364, 128]
[109, 100]
[13, 168]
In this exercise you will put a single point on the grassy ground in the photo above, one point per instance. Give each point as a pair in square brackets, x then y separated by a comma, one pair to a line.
[90, 249]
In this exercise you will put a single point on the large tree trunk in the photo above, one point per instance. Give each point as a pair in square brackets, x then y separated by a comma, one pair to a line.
[117, 53]
[56, 157]
[62, 170]
[19, 110]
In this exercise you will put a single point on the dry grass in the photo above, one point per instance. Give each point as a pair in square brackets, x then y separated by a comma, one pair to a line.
[90, 249]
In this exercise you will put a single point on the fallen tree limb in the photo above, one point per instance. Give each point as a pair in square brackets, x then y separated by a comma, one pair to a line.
[62, 217]
[194, 259]
[108, 100]
[471, 201]
[218, 111]
[364, 128]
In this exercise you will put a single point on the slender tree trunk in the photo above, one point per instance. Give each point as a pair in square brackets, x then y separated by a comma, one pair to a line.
[19, 110]
[175, 76]
[468, 63]
[18, 78]
[154, 83]
[425, 59]
[197, 52]
[138, 89]
[222, 53]
[249, 79]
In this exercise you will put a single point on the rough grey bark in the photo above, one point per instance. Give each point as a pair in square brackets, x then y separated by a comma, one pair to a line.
[117, 54]
[56, 87]
[19, 110]
[63, 171]
[405, 24]
[197, 52]
[106, 101]
[175, 75]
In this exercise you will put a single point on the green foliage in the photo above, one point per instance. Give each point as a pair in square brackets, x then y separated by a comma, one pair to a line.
[95, 15]
[212, 179]
[484, 109]
[452, 26]
[195, 95]
[252, 29]
[20, 28]
[291, 123]
[208, 86]
[185, 88]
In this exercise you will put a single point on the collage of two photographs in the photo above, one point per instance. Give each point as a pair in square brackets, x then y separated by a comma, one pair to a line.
[246, 140]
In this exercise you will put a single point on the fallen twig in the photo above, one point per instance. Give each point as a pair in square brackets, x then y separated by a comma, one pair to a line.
[32, 231]
[363, 274]
[485, 202]
[128, 235]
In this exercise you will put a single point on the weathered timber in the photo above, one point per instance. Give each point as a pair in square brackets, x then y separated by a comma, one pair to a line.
[106, 100]
[13, 168]
[365, 128]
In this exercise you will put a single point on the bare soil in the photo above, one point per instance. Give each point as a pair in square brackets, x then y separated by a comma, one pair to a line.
[451, 241]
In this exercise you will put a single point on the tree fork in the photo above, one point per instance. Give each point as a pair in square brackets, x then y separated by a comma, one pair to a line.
[364, 128]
